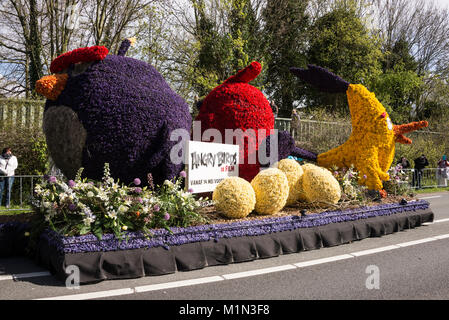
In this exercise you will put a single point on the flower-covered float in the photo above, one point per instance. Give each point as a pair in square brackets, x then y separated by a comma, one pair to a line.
[111, 108]
[116, 227]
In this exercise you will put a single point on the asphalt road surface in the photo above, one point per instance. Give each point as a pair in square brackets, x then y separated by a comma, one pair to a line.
[413, 264]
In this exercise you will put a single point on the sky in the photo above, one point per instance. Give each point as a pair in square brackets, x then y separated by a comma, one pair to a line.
[443, 3]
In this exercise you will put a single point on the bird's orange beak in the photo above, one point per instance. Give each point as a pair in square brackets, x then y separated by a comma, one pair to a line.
[399, 130]
[52, 86]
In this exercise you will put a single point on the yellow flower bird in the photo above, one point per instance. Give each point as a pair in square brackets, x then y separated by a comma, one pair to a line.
[371, 145]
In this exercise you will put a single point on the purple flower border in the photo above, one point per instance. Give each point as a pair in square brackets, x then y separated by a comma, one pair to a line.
[163, 238]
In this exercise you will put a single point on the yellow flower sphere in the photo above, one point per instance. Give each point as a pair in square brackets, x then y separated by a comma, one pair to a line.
[271, 188]
[234, 198]
[293, 171]
[319, 185]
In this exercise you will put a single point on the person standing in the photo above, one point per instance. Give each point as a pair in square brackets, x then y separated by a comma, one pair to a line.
[295, 123]
[420, 163]
[274, 108]
[8, 164]
[443, 171]
[404, 163]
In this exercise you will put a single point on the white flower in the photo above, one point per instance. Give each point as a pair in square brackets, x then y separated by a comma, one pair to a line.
[125, 228]
[46, 204]
[112, 214]
[88, 220]
[168, 183]
[122, 209]
[62, 196]
[102, 196]
[90, 194]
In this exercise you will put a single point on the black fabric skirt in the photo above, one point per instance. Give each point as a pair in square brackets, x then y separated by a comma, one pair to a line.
[125, 264]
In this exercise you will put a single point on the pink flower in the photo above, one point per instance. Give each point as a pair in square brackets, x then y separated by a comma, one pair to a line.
[166, 216]
[137, 181]
[183, 174]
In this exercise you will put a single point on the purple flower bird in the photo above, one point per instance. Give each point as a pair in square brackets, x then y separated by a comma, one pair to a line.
[113, 109]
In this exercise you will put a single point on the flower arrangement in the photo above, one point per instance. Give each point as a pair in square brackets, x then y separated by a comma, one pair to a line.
[293, 172]
[371, 145]
[399, 182]
[348, 180]
[271, 189]
[52, 85]
[127, 111]
[235, 104]
[88, 54]
[234, 198]
[319, 186]
[80, 206]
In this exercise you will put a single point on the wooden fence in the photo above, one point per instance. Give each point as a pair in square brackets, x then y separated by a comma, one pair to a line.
[20, 113]
[306, 129]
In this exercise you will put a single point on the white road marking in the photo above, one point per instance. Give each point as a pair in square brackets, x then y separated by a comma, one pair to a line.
[31, 275]
[323, 260]
[430, 197]
[177, 284]
[258, 272]
[375, 250]
[412, 243]
[25, 275]
[443, 236]
[93, 295]
[230, 276]
[436, 221]
[6, 277]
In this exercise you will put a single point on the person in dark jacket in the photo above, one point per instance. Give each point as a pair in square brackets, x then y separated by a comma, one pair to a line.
[420, 163]
[404, 163]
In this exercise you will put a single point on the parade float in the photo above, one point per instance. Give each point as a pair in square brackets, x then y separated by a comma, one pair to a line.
[125, 210]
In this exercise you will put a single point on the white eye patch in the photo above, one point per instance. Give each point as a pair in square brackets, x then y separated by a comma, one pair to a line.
[389, 124]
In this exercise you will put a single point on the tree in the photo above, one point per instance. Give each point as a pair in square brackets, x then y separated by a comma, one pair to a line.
[422, 25]
[396, 89]
[344, 45]
[285, 38]
[34, 32]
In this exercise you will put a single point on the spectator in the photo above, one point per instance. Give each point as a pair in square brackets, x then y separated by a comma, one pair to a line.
[274, 108]
[443, 171]
[296, 119]
[420, 163]
[404, 163]
[8, 164]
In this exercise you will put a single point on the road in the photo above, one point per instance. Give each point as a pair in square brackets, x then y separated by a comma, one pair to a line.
[407, 265]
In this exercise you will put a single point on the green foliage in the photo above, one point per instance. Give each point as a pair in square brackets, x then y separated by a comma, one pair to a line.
[223, 51]
[348, 179]
[432, 145]
[399, 55]
[399, 183]
[284, 38]
[343, 44]
[30, 148]
[98, 207]
[396, 89]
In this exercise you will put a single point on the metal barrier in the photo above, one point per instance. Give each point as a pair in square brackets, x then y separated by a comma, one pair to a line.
[21, 193]
[428, 177]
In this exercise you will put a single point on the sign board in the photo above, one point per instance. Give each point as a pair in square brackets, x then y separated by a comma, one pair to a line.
[208, 163]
